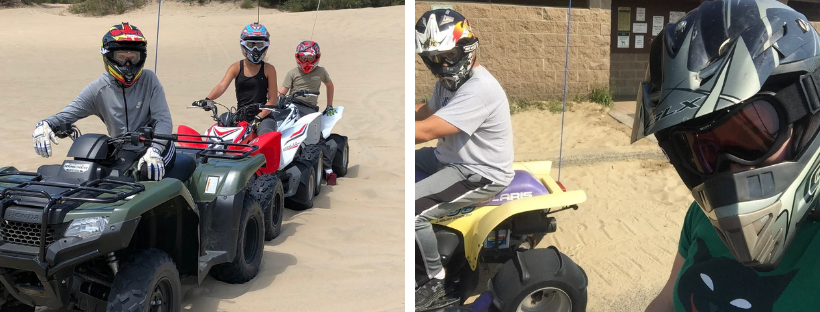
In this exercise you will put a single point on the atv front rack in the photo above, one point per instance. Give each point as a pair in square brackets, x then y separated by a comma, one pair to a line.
[70, 192]
[225, 152]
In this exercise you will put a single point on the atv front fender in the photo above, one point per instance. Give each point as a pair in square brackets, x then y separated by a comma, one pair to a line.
[223, 177]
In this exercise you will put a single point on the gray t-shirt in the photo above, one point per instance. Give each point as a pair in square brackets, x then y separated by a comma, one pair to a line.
[479, 108]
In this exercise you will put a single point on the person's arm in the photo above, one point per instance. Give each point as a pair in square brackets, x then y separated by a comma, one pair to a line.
[79, 108]
[433, 128]
[287, 83]
[160, 112]
[423, 112]
[270, 72]
[283, 91]
[663, 302]
[329, 87]
[223, 85]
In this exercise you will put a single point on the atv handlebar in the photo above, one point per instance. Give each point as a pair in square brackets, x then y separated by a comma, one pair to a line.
[305, 93]
[283, 102]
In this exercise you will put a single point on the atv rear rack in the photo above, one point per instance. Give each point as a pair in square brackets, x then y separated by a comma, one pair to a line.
[70, 193]
[241, 151]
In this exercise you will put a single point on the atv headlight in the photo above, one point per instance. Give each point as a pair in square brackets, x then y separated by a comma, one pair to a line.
[88, 227]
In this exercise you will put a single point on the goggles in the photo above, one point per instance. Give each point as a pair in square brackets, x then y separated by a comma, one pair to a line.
[123, 57]
[450, 57]
[746, 135]
[257, 45]
[306, 57]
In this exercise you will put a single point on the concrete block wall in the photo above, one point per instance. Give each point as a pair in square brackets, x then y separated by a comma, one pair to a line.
[524, 48]
[626, 73]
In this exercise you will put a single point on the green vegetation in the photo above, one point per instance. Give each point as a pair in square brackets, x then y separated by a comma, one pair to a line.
[105, 7]
[553, 106]
[425, 98]
[310, 5]
[601, 96]
[13, 3]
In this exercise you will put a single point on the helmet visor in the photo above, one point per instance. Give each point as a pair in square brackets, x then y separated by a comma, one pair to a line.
[306, 57]
[257, 45]
[746, 135]
[445, 58]
[124, 57]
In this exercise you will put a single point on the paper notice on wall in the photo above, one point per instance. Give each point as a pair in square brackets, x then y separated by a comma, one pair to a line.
[657, 25]
[640, 15]
[624, 18]
[623, 42]
[638, 41]
[675, 16]
[639, 28]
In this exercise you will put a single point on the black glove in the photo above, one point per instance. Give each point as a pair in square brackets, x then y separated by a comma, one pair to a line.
[280, 102]
[255, 123]
[329, 111]
[203, 103]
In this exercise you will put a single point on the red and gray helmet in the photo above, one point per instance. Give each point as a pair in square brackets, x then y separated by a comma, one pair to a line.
[307, 55]
[124, 51]
[254, 41]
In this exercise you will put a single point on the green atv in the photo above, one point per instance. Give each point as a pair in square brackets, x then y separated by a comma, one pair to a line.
[90, 235]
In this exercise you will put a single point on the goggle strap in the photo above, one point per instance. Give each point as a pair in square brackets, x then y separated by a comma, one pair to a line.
[806, 91]
[808, 84]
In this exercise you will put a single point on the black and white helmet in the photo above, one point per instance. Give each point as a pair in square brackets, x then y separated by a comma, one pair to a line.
[447, 45]
[730, 87]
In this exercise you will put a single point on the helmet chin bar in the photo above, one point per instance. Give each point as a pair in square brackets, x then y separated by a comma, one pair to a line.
[757, 212]
[451, 78]
[755, 239]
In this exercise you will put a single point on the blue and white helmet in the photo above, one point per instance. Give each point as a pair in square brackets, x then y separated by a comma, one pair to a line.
[254, 41]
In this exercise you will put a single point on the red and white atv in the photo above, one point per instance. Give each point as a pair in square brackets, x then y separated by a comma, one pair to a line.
[302, 137]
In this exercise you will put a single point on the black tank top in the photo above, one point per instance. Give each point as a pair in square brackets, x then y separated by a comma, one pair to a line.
[251, 90]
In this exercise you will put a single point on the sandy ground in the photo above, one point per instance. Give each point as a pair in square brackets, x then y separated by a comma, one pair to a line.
[625, 235]
[345, 254]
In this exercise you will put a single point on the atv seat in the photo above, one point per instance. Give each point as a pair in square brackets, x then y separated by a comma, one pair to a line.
[280, 114]
[523, 185]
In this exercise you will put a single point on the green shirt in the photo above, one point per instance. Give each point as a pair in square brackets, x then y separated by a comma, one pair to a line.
[297, 80]
[712, 280]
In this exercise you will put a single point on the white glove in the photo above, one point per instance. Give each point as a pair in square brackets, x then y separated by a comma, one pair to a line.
[156, 167]
[42, 135]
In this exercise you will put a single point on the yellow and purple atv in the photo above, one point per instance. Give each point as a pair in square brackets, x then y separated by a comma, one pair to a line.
[504, 231]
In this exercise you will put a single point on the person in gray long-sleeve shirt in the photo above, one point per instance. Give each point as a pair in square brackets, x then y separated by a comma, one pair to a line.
[125, 98]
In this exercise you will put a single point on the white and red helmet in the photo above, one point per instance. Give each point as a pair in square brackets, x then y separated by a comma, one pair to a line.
[307, 55]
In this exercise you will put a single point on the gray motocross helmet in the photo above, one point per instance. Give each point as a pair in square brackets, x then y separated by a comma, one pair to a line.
[731, 82]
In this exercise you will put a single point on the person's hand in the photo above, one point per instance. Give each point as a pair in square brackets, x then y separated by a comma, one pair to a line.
[152, 160]
[329, 111]
[255, 123]
[203, 103]
[43, 136]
